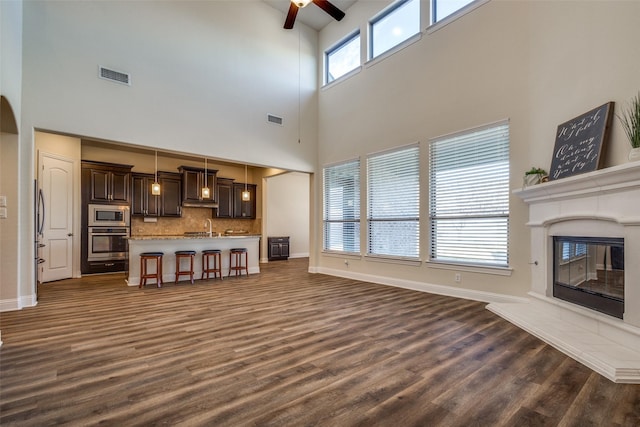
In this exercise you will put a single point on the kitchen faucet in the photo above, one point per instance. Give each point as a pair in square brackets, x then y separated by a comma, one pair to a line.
[210, 227]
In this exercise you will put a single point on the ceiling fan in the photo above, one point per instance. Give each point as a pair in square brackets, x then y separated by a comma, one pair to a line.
[295, 5]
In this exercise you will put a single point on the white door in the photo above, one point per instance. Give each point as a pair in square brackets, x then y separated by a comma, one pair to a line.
[56, 183]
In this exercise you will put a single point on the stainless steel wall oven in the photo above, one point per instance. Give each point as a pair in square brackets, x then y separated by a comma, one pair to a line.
[107, 243]
[107, 233]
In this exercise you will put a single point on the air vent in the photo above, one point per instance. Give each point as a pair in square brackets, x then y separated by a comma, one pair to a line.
[274, 119]
[114, 76]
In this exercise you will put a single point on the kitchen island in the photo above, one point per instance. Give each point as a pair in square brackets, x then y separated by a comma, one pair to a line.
[170, 244]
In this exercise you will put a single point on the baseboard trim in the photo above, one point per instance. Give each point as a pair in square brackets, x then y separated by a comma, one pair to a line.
[431, 288]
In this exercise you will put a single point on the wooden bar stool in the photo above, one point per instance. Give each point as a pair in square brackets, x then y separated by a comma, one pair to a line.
[216, 268]
[184, 254]
[144, 273]
[235, 254]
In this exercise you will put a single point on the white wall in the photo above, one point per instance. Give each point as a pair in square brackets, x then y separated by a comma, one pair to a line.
[204, 77]
[535, 63]
[287, 211]
[14, 241]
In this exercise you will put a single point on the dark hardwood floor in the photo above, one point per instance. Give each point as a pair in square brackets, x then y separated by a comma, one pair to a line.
[286, 348]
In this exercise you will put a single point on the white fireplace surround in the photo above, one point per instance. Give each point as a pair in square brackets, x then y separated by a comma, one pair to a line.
[603, 203]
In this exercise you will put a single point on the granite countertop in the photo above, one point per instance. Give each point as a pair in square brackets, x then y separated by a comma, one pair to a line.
[192, 236]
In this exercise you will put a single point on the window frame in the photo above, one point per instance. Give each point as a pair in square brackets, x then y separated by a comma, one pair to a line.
[393, 8]
[326, 203]
[336, 47]
[478, 264]
[371, 219]
[436, 25]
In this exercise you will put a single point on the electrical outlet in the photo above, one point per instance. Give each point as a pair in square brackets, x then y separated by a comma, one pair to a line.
[458, 277]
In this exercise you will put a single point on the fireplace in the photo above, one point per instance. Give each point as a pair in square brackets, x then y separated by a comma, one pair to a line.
[584, 296]
[589, 271]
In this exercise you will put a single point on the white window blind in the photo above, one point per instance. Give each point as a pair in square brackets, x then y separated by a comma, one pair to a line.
[342, 207]
[469, 197]
[393, 184]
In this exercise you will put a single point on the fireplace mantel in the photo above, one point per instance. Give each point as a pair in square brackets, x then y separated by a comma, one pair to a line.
[603, 203]
[603, 181]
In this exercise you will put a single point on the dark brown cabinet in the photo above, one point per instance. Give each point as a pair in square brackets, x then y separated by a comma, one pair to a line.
[278, 248]
[106, 183]
[241, 208]
[168, 203]
[170, 194]
[193, 179]
[225, 198]
[143, 203]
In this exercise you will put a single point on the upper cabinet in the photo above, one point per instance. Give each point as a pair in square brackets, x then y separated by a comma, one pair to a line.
[193, 180]
[106, 183]
[230, 203]
[242, 208]
[168, 203]
[225, 198]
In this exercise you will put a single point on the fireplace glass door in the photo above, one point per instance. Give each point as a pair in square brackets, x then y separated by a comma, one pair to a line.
[589, 271]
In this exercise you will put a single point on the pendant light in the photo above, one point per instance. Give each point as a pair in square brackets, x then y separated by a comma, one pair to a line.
[246, 196]
[205, 189]
[155, 187]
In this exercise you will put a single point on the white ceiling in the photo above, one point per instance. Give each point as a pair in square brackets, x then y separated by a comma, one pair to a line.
[310, 15]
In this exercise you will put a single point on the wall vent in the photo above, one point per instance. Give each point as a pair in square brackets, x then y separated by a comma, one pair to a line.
[114, 76]
[274, 119]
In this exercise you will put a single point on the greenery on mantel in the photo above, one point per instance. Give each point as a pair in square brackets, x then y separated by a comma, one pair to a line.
[630, 120]
[536, 171]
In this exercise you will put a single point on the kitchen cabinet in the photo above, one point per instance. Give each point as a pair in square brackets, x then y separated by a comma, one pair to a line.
[193, 179]
[225, 198]
[106, 183]
[168, 203]
[278, 248]
[143, 203]
[244, 209]
[170, 194]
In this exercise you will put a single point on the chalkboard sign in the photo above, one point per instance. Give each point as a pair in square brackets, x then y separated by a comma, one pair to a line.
[580, 143]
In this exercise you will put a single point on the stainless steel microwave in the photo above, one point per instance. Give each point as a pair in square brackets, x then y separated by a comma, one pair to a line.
[108, 216]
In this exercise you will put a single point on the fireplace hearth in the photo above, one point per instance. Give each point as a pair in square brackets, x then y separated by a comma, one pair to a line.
[584, 297]
[589, 271]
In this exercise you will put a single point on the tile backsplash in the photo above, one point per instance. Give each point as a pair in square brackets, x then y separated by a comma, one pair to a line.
[193, 219]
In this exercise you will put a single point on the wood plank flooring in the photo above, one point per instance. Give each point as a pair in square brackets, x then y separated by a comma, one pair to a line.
[286, 348]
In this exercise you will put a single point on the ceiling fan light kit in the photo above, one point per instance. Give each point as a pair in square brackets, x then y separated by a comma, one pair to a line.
[325, 5]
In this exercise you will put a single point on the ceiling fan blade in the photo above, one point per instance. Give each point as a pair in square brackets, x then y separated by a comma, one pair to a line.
[328, 7]
[291, 16]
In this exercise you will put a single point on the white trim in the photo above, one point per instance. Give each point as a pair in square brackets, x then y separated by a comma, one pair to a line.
[14, 304]
[10, 304]
[464, 293]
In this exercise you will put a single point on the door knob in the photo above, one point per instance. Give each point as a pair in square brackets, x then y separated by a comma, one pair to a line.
[70, 234]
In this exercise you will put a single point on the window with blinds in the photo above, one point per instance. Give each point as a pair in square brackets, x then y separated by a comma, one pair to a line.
[342, 207]
[393, 210]
[469, 197]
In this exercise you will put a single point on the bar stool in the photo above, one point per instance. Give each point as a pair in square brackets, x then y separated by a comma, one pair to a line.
[144, 274]
[184, 254]
[216, 255]
[235, 254]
